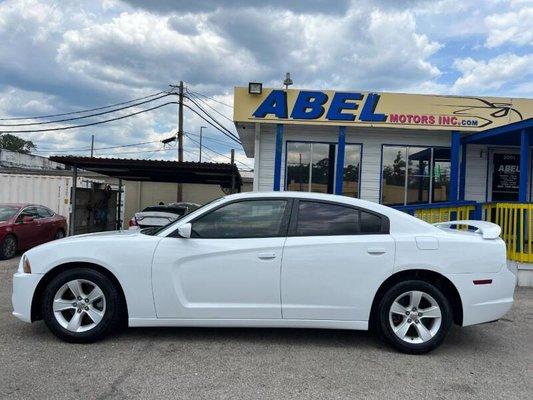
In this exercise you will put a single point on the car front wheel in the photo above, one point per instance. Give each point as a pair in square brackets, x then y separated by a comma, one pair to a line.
[414, 317]
[82, 305]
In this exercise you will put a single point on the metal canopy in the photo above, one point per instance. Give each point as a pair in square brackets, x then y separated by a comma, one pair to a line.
[504, 135]
[157, 170]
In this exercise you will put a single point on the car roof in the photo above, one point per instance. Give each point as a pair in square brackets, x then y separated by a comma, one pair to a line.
[18, 205]
[22, 205]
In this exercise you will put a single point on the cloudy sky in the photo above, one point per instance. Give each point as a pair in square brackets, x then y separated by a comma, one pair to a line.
[64, 56]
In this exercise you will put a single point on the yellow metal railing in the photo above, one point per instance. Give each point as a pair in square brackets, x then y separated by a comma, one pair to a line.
[516, 221]
[444, 214]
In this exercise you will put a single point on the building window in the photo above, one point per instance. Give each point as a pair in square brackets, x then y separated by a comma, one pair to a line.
[311, 168]
[412, 174]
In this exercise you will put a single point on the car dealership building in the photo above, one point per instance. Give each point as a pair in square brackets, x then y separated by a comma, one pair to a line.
[411, 151]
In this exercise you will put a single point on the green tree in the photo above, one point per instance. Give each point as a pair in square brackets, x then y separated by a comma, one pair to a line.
[14, 143]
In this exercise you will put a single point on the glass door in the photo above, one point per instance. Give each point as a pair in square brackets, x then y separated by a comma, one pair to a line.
[505, 183]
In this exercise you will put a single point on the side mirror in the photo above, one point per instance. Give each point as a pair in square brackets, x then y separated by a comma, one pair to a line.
[27, 219]
[185, 230]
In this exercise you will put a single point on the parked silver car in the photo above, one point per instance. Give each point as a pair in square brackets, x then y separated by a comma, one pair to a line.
[160, 215]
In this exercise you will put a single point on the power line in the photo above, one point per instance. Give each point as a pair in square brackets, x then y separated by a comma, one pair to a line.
[216, 152]
[210, 106]
[212, 118]
[82, 111]
[218, 141]
[213, 125]
[210, 98]
[93, 123]
[88, 116]
[98, 148]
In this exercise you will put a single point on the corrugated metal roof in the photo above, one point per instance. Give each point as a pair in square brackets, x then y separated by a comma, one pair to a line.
[157, 170]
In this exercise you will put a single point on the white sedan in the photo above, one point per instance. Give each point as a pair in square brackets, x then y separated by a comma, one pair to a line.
[278, 259]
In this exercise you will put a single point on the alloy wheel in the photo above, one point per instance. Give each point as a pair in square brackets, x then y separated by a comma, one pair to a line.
[10, 247]
[79, 305]
[415, 317]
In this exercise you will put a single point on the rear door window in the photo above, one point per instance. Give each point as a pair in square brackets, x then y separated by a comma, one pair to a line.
[44, 212]
[328, 219]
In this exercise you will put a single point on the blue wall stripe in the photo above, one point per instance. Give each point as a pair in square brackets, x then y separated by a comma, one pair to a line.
[454, 161]
[277, 159]
[462, 177]
[339, 173]
[524, 165]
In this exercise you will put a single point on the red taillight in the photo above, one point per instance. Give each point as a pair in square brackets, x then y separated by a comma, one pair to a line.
[133, 222]
[483, 282]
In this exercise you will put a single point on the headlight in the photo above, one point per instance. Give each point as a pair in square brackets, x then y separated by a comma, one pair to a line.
[26, 267]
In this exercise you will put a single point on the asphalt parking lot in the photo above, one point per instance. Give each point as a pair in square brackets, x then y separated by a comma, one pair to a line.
[487, 361]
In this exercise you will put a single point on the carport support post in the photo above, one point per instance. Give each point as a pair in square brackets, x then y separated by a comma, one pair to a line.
[119, 205]
[73, 200]
[524, 165]
[339, 174]
[454, 161]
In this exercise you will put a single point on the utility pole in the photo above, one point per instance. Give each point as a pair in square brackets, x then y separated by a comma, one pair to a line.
[180, 135]
[92, 146]
[201, 129]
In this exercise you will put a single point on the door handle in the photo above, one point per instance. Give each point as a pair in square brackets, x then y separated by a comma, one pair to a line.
[376, 250]
[266, 256]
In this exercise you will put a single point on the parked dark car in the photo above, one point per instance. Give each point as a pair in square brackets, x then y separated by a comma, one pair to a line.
[23, 226]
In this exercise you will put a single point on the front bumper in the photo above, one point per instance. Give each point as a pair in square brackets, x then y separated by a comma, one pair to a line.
[485, 303]
[24, 286]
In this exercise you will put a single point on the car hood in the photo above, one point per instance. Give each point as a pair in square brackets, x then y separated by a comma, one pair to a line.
[109, 234]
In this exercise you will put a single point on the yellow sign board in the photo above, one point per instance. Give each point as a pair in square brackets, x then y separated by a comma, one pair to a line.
[389, 110]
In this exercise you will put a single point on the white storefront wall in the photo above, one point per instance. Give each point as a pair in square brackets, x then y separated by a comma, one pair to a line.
[478, 168]
[371, 140]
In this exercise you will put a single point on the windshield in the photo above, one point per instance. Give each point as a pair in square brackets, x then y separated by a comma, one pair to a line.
[7, 212]
[154, 230]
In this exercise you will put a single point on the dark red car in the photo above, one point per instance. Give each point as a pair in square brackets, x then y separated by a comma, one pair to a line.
[27, 225]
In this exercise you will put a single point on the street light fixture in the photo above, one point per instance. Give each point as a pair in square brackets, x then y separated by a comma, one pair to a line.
[201, 129]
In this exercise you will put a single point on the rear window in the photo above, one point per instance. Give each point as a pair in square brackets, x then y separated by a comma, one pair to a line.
[7, 212]
[173, 210]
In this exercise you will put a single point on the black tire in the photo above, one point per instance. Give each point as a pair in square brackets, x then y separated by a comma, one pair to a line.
[383, 323]
[113, 312]
[8, 248]
[60, 234]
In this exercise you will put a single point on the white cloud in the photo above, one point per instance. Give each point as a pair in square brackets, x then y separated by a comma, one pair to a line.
[488, 76]
[514, 27]
[60, 57]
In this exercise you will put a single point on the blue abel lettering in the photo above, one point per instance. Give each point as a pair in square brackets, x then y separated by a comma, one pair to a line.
[275, 103]
[340, 103]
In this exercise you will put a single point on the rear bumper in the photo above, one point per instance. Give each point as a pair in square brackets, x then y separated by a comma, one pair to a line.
[24, 286]
[488, 302]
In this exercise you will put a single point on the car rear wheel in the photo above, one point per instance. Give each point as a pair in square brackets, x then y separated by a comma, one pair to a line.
[82, 305]
[8, 248]
[59, 234]
[414, 317]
